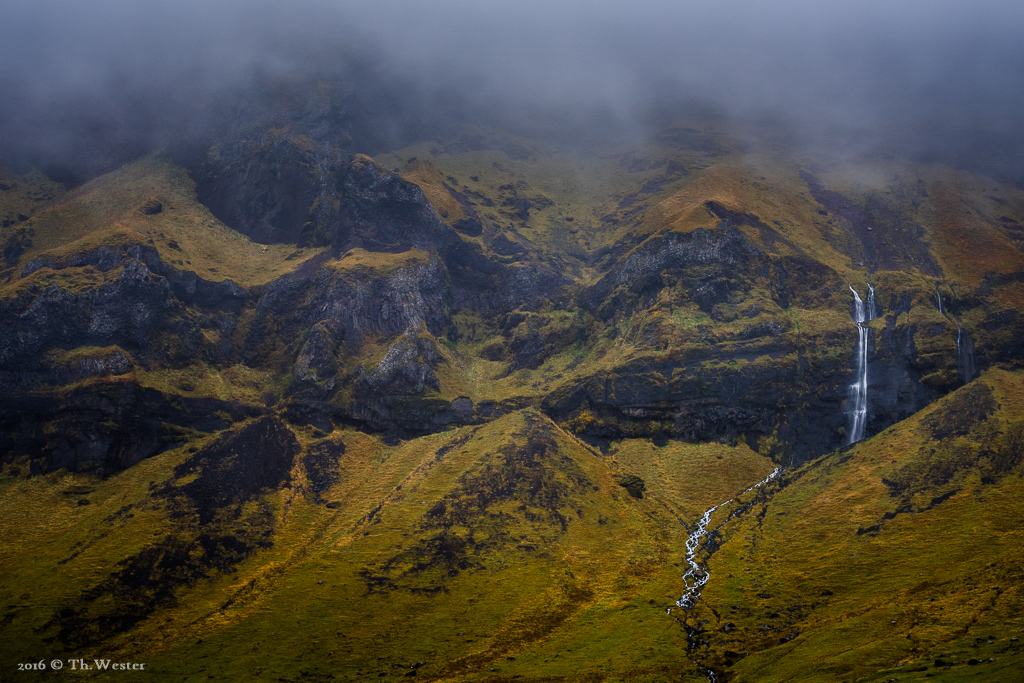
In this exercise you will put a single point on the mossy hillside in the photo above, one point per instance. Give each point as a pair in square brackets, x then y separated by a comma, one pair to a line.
[796, 306]
[21, 197]
[373, 264]
[765, 187]
[690, 477]
[512, 534]
[510, 609]
[422, 173]
[969, 225]
[120, 208]
[65, 534]
[559, 201]
[914, 538]
[863, 567]
[974, 234]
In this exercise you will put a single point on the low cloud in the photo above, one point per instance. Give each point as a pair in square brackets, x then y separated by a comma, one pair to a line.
[934, 79]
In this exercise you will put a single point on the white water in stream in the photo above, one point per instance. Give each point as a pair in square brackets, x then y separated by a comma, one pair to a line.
[695, 573]
[696, 576]
[862, 313]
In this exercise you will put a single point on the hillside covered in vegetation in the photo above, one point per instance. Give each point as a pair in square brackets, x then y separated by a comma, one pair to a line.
[288, 401]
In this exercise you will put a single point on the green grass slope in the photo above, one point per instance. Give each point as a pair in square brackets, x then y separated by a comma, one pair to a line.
[504, 549]
[149, 202]
[898, 559]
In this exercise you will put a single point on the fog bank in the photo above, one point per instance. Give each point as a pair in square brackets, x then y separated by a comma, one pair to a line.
[939, 80]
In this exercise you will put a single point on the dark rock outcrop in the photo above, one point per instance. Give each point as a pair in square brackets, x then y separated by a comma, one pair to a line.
[316, 366]
[104, 428]
[702, 258]
[406, 369]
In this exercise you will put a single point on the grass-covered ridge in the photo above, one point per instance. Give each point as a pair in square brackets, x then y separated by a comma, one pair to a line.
[511, 548]
[508, 546]
[152, 202]
[898, 558]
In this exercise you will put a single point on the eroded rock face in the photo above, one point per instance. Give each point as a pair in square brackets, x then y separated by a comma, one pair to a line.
[104, 428]
[711, 398]
[708, 318]
[146, 299]
[316, 366]
[279, 185]
[352, 305]
[381, 212]
[145, 314]
[406, 369]
[724, 250]
[126, 311]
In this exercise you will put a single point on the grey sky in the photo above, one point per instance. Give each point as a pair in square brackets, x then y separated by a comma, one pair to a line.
[931, 75]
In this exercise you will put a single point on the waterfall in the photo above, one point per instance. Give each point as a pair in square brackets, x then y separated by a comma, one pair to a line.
[939, 297]
[872, 307]
[862, 313]
[966, 369]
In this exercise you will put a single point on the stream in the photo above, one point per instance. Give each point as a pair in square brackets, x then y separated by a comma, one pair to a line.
[696, 577]
[695, 573]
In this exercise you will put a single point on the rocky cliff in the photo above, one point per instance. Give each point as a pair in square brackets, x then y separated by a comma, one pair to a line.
[707, 306]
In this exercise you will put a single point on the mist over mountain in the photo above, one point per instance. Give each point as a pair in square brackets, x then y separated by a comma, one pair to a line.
[571, 343]
[933, 80]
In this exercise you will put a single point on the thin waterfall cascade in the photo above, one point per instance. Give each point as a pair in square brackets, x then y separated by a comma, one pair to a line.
[938, 296]
[966, 368]
[873, 310]
[863, 312]
[696, 576]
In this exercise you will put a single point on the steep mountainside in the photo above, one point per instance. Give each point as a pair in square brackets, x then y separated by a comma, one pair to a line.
[275, 409]
[914, 538]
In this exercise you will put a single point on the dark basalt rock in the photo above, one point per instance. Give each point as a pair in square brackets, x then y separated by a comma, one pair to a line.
[104, 428]
[381, 212]
[732, 366]
[114, 363]
[686, 256]
[316, 366]
[126, 312]
[746, 390]
[699, 399]
[406, 369]
[472, 224]
[322, 463]
[237, 466]
[152, 207]
[13, 249]
[148, 297]
[351, 306]
[894, 376]
[271, 188]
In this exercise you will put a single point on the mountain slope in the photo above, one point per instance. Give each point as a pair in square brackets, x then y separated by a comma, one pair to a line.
[482, 387]
[898, 558]
[504, 546]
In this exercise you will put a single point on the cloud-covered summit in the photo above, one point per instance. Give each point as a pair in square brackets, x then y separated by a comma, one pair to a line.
[935, 78]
